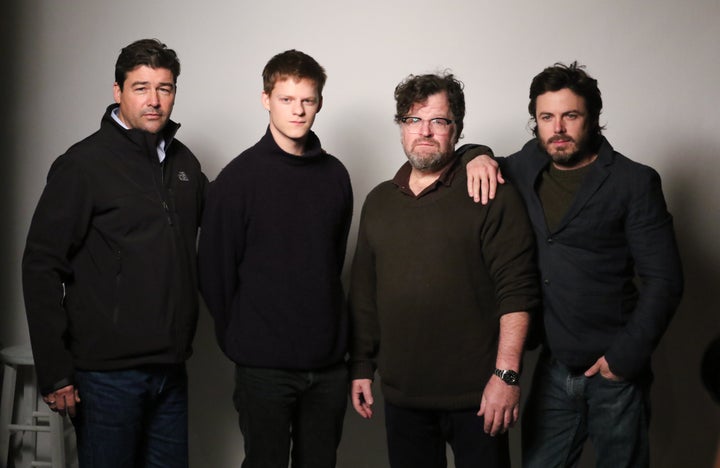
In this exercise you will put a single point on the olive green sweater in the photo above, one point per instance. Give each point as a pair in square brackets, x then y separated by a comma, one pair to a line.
[431, 277]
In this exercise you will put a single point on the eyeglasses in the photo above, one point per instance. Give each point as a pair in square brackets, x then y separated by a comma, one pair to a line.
[438, 125]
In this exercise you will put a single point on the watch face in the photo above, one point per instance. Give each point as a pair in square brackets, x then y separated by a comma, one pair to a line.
[510, 377]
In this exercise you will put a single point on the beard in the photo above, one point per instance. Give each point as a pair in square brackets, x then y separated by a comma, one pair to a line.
[575, 152]
[430, 161]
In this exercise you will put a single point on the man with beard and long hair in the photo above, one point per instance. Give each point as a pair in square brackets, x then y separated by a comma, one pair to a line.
[601, 223]
[440, 293]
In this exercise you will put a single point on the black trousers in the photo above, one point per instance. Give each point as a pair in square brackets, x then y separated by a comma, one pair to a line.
[291, 415]
[417, 438]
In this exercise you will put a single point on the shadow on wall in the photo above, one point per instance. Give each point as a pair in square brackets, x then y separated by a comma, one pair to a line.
[686, 423]
[214, 435]
[9, 79]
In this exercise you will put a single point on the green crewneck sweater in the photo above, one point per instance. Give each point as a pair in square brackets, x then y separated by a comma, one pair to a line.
[557, 191]
[431, 277]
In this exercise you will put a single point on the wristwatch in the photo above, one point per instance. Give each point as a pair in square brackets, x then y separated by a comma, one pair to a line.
[510, 377]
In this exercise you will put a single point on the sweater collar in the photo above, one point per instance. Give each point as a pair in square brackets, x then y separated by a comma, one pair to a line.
[402, 178]
[313, 148]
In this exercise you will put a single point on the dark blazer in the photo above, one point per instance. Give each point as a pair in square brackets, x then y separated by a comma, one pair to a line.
[616, 231]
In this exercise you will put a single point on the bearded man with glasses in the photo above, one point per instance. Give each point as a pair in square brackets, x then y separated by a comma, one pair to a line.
[440, 294]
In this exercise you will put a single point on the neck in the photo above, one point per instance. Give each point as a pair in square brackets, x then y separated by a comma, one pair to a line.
[289, 145]
[420, 180]
[577, 165]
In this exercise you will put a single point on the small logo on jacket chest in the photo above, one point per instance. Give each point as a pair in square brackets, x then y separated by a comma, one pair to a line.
[183, 177]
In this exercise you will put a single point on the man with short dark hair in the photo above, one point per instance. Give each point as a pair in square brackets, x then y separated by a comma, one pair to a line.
[271, 253]
[109, 273]
[440, 293]
[601, 222]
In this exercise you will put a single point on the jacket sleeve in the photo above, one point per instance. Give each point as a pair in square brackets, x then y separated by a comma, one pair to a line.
[651, 239]
[58, 227]
[220, 250]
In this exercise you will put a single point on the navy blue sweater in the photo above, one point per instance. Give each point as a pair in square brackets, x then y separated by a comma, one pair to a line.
[271, 252]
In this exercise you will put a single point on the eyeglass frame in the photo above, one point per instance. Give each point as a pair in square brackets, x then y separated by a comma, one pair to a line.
[417, 122]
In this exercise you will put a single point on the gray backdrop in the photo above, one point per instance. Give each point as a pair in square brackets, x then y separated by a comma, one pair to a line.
[656, 61]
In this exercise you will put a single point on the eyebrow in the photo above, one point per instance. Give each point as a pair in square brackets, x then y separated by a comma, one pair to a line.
[164, 83]
[573, 111]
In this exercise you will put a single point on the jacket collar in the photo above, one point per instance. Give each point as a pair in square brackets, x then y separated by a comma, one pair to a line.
[140, 137]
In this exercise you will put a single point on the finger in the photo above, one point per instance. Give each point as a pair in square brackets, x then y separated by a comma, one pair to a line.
[481, 412]
[70, 408]
[498, 423]
[60, 403]
[487, 427]
[500, 178]
[470, 187]
[503, 421]
[360, 409]
[592, 371]
[508, 421]
[477, 189]
[493, 188]
[485, 190]
[368, 411]
[357, 404]
[368, 397]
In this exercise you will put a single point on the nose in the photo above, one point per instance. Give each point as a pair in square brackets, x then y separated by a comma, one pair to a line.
[559, 126]
[154, 99]
[425, 128]
[298, 108]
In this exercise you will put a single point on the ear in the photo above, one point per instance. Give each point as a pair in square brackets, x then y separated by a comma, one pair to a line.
[117, 92]
[265, 99]
[320, 103]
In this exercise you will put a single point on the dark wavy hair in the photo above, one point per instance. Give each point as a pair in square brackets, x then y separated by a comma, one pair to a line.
[293, 64]
[574, 78]
[417, 88]
[149, 52]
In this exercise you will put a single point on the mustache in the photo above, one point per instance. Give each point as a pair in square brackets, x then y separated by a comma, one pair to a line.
[555, 138]
[424, 140]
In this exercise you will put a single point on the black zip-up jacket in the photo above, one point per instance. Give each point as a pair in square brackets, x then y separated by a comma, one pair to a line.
[109, 270]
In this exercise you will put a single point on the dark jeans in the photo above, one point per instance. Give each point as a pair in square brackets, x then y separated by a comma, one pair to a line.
[132, 418]
[565, 408]
[277, 408]
[416, 439]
